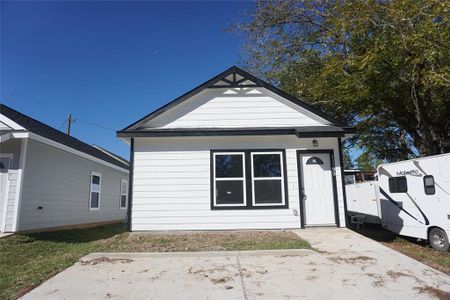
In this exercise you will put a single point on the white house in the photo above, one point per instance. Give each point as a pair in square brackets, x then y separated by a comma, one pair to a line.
[236, 153]
[49, 179]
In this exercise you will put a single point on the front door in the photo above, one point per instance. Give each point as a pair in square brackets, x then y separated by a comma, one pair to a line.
[316, 189]
[4, 188]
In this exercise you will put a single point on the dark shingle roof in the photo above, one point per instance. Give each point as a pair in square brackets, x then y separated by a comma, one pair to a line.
[51, 133]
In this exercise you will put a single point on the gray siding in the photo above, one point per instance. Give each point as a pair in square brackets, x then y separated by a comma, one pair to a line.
[11, 146]
[59, 182]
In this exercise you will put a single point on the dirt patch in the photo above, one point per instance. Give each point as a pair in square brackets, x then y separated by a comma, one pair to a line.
[432, 291]
[213, 269]
[396, 274]
[158, 276]
[248, 273]
[220, 280]
[105, 260]
[352, 260]
[378, 280]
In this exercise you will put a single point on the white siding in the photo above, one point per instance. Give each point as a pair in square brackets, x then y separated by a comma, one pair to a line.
[11, 205]
[221, 108]
[59, 182]
[12, 147]
[171, 184]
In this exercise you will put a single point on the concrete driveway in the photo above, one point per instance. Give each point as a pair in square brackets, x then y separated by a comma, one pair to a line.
[345, 265]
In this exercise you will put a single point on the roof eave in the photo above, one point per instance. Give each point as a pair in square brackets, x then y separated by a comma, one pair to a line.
[232, 132]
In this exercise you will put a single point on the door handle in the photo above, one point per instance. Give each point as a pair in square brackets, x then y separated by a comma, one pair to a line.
[303, 195]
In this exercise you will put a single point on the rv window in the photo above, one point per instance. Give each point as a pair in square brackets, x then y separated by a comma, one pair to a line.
[398, 184]
[428, 183]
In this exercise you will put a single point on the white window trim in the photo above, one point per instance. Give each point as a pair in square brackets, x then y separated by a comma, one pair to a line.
[123, 193]
[99, 191]
[281, 178]
[243, 179]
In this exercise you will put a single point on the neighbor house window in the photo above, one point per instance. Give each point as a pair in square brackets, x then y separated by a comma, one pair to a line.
[123, 193]
[248, 179]
[267, 179]
[229, 179]
[398, 184]
[95, 190]
[428, 182]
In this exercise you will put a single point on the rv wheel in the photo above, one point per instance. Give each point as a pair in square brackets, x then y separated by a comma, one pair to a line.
[438, 239]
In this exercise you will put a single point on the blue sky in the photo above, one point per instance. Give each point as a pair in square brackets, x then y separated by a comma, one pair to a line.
[110, 63]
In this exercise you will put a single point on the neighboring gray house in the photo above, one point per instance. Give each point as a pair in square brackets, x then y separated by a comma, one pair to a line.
[236, 153]
[49, 179]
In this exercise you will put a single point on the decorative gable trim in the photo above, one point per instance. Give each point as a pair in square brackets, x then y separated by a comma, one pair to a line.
[234, 77]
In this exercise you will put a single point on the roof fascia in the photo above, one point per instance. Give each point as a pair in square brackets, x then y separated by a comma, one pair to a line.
[10, 123]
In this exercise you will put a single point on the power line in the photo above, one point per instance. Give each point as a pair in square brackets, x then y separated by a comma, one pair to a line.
[62, 124]
[95, 124]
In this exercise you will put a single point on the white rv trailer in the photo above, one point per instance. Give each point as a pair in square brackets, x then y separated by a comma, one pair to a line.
[413, 198]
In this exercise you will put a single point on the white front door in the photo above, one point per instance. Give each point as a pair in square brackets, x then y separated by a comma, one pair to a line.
[317, 189]
[5, 160]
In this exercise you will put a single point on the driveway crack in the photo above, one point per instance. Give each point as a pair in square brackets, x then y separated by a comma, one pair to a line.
[242, 278]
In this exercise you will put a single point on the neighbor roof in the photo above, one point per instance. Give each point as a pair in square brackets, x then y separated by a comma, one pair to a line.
[51, 133]
[233, 77]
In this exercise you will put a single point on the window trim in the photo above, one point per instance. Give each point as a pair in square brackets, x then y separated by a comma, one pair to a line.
[281, 178]
[397, 177]
[247, 182]
[243, 179]
[123, 193]
[99, 191]
[425, 186]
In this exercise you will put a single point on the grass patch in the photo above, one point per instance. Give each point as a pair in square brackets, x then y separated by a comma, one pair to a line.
[27, 260]
[420, 251]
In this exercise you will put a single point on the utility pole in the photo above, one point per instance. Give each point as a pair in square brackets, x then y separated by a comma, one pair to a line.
[69, 121]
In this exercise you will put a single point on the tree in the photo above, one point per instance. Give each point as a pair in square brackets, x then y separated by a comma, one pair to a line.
[367, 162]
[381, 66]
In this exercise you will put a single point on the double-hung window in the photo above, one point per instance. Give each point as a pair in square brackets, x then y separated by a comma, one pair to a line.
[229, 179]
[248, 179]
[267, 179]
[95, 190]
[123, 193]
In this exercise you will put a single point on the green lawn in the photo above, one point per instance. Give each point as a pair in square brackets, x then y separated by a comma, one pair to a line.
[27, 260]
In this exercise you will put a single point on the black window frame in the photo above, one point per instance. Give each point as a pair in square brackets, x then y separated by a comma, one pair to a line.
[248, 182]
[225, 179]
[425, 187]
[397, 191]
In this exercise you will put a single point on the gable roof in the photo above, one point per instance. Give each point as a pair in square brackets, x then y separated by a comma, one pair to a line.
[51, 133]
[233, 77]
